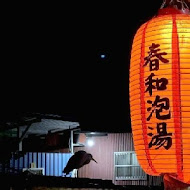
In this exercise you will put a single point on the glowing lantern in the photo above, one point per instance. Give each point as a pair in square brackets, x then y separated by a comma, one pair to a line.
[160, 93]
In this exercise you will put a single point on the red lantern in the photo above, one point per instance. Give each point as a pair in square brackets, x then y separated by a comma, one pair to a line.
[160, 93]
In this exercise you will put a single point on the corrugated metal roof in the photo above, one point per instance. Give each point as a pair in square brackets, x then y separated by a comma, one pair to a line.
[45, 125]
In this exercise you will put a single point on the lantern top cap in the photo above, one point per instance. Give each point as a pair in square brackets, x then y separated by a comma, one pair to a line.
[174, 7]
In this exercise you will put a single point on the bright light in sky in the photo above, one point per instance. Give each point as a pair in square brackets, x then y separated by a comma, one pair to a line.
[102, 56]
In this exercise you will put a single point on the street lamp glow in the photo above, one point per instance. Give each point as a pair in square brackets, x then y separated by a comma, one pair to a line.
[90, 142]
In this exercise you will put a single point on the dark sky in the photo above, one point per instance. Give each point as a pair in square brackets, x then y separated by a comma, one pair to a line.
[51, 60]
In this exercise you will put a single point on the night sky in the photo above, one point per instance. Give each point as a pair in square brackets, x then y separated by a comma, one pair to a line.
[52, 61]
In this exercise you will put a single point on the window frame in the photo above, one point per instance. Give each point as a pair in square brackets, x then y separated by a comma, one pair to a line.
[116, 177]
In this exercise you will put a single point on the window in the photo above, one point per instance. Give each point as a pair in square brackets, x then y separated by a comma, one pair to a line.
[126, 166]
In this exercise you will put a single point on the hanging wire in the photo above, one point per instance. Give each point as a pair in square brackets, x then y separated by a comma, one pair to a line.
[178, 4]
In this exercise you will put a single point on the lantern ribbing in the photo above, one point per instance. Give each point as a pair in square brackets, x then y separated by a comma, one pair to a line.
[160, 95]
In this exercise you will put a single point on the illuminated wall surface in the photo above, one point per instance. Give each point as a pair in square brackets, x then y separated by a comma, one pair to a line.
[160, 95]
